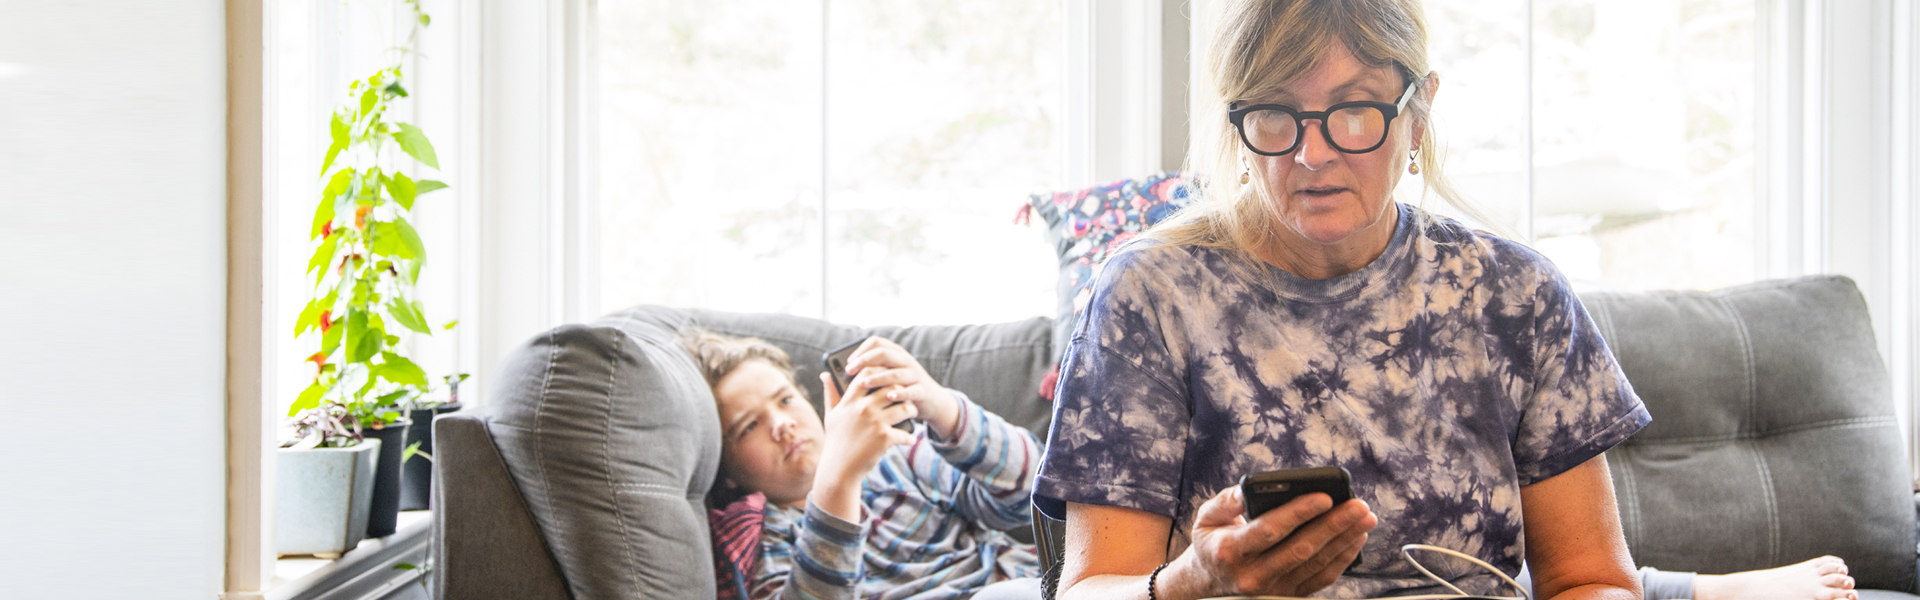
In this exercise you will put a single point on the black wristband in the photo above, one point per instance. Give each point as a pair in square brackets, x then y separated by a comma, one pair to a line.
[1154, 578]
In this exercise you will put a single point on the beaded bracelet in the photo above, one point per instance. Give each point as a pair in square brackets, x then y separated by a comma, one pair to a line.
[1152, 578]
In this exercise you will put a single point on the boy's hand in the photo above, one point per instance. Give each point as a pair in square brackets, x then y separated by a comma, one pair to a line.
[859, 428]
[887, 365]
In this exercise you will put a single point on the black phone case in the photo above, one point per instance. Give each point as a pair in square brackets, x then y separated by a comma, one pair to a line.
[836, 362]
[1269, 490]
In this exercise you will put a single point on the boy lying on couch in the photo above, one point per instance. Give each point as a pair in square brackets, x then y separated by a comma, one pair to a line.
[853, 506]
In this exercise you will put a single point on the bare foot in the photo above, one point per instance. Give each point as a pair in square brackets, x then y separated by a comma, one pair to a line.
[1823, 578]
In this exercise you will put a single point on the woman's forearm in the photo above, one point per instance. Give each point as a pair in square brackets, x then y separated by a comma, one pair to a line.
[1181, 579]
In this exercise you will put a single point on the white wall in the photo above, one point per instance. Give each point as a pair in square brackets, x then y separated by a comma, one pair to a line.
[112, 298]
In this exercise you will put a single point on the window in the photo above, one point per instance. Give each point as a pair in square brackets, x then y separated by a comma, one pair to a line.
[1634, 165]
[859, 161]
[1640, 144]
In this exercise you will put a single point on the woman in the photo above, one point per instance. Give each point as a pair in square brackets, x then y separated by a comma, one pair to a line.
[1303, 318]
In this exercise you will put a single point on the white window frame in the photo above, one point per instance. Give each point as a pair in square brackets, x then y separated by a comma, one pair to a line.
[1126, 101]
[447, 99]
[1855, 135]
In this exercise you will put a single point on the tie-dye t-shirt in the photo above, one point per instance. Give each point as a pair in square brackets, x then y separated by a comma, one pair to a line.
[1447, 374]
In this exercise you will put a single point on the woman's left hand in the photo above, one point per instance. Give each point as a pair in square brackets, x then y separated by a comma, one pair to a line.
[906, 381]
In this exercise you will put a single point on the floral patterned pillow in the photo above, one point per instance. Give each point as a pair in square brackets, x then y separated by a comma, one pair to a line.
[1086, 226]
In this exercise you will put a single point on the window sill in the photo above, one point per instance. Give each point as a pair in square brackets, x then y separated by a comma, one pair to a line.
[365, 572]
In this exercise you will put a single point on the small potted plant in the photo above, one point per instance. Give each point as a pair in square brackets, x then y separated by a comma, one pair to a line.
[416, 479]
[324, 479]
[366, 260]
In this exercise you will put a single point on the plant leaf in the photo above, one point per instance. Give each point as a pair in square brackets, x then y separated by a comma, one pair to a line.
[372, 342]
[389, 241]
[399, 370]
[362, 392]
[402, 189]
[395, 89]
[309, 317]
[323, 214]
[361, 290]
[357, 336]
[427, 185]
[330, 341]
[450, 325]
[416, 145]
[413, 450]
[415, 250]
[407, 316]
[367, 100]
[308, 399]
[323, 256]
[340, 141]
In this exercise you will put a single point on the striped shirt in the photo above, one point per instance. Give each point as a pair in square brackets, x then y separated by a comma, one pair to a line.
[931, 519]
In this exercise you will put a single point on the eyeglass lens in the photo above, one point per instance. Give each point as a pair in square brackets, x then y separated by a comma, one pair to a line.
[1352, 129]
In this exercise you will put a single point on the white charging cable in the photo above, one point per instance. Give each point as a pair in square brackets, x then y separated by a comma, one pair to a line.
[1406, 551]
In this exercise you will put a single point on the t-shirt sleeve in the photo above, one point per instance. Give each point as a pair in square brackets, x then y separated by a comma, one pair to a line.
[1581, 403]
[1120, 420]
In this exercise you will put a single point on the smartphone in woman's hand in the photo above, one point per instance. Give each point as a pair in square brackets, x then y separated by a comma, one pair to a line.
[1269, 490]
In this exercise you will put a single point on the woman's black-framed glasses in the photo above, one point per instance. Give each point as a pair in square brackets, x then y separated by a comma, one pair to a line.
[1350, 127]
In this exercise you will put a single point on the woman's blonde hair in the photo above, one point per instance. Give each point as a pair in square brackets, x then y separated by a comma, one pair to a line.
[1259, 47]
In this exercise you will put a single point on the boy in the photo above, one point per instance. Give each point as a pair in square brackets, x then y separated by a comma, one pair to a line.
[855, 507]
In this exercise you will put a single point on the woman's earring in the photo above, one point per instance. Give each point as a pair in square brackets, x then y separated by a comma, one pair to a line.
[1244, 177]
[1413, 161]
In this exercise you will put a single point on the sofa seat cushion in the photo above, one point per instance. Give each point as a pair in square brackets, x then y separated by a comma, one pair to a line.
[1773, 437]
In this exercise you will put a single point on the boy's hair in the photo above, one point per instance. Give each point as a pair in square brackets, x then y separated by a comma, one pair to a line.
[719, 355]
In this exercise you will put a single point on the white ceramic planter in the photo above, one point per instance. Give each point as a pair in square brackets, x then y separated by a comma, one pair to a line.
[322, 498]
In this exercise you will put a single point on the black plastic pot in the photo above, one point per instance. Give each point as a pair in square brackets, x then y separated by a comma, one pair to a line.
[416, 476]
[384, 517]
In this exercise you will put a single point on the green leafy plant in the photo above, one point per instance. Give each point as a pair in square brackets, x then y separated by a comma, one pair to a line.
[367, 258]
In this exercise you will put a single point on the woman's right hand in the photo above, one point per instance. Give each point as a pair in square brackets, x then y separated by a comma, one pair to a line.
[859, 429]
[1293, 550]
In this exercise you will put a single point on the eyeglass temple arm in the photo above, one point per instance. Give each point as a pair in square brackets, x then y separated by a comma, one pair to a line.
[1408, 95]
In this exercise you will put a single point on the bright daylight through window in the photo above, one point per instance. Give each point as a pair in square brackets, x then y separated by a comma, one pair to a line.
[1642, 125]
[716, 157]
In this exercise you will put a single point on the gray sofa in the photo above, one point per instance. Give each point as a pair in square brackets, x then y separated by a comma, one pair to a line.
[583, 474]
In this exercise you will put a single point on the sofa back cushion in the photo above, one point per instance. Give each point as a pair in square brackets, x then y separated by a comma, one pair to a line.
[612, 438]
[997, 365]
[1773, 437]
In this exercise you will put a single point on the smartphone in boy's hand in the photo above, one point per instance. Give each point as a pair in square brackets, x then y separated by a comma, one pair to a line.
[836, 362]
